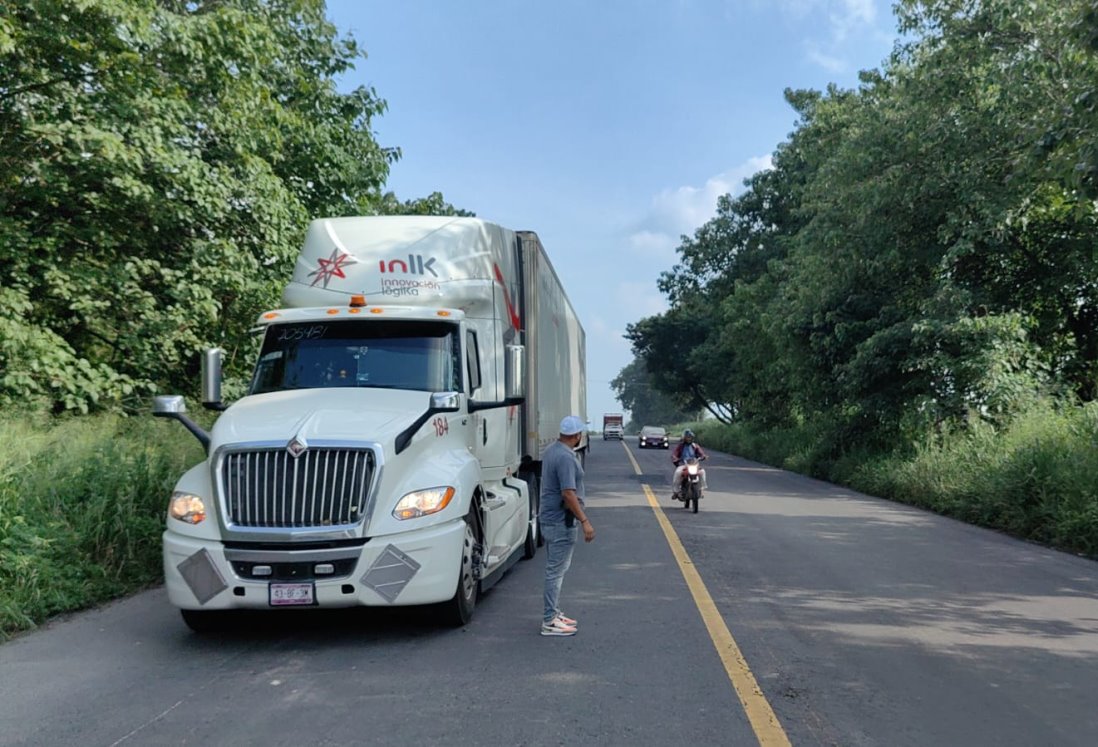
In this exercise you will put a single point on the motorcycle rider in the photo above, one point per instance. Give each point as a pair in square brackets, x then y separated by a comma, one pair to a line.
[685, 449]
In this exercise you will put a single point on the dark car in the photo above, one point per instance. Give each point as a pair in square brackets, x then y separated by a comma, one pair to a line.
[652, 436]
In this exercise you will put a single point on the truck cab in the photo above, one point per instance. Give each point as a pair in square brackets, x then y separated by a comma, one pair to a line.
[613, 426]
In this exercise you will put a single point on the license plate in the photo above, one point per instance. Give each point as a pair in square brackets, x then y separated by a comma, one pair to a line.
[287, 595]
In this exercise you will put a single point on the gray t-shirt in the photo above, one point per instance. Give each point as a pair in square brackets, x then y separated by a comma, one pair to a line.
[560, 470]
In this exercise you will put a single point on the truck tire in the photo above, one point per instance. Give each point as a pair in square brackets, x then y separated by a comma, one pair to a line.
[459, 610]
[533, 525]
[533, 483]
[205, 621]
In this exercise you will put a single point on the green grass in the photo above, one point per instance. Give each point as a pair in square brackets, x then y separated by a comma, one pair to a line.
[1035, 478]
[82, 504]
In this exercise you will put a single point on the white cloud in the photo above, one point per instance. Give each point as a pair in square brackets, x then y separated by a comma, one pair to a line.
[826, 61]
[842, 15]
[607, 349]
[850, 18]
[679, 211]
[861, 10]
[641, 299]
[655, 245]
[792, 8]
[842, 24]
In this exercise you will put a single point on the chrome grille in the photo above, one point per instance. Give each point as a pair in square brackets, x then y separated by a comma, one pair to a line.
[271, 488]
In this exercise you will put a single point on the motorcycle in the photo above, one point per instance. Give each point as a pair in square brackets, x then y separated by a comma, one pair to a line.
[691, 489]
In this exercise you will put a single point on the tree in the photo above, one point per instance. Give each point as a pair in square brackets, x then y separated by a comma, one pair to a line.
[433, 204]
[637, 393]
[669, 344]
[924, 247]
[159, 162]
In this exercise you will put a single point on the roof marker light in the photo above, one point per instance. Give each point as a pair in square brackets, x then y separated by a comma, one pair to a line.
[333, 311]
[443, 313]
[375, 310]
[271, 315]
[354, 311]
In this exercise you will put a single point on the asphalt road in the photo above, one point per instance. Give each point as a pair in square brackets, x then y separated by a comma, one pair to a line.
[862, 622]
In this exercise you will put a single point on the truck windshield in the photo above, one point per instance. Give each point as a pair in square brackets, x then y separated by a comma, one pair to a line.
[387, 355]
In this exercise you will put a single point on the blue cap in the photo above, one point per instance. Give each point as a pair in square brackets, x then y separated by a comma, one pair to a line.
[571, 425]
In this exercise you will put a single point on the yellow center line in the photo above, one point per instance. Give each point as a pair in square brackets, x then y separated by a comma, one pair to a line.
[628, 453]
[768, 730]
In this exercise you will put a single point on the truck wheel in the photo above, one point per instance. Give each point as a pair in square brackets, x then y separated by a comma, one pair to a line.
[533, 483]
[533, 530]
[459, 610]
[204, 621]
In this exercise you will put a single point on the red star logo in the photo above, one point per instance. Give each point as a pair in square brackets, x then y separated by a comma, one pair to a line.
[326, 269]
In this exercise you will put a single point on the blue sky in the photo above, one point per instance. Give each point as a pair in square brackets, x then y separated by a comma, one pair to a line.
[609, 128]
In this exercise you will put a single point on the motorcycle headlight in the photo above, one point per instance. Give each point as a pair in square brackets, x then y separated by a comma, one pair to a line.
[187, 507]
[423, 502]
[692, 469]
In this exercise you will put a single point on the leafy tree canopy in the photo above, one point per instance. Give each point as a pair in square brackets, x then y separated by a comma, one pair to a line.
[646, 404]
[924, 247]
[159, 161]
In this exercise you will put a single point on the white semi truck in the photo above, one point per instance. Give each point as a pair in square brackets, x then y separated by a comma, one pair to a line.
[387, 451]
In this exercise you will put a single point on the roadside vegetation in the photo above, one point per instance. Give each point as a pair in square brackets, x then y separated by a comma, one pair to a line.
[159, 163]
[1035, 478]
[906, 301]
[82, 504]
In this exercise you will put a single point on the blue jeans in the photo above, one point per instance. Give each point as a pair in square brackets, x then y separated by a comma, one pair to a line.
[559, 543]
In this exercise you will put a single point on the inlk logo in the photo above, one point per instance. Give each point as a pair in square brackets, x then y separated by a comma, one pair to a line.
[414, 266]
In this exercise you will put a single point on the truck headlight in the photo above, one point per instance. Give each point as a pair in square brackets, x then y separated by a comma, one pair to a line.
[187, 507]
[423, 502]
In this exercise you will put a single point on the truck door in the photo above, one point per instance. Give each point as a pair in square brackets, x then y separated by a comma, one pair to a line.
[491, 433]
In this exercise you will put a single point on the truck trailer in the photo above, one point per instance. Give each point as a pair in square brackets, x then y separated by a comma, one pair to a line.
[387, 450]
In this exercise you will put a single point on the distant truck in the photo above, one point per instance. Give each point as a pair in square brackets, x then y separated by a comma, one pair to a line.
[613, 426]
[387, 451]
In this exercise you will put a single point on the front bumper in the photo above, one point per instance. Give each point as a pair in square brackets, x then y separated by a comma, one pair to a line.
[204, 575]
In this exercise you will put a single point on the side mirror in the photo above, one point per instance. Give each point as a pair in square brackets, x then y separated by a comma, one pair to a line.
[172, 406]
[440, 402]
[515, 372]
[168, 405]
[445, 402]
[211, 378]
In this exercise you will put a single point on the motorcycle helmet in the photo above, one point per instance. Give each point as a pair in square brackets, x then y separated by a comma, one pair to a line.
[687, 434]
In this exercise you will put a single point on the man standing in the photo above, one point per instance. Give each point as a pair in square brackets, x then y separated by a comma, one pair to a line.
[561, 509]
